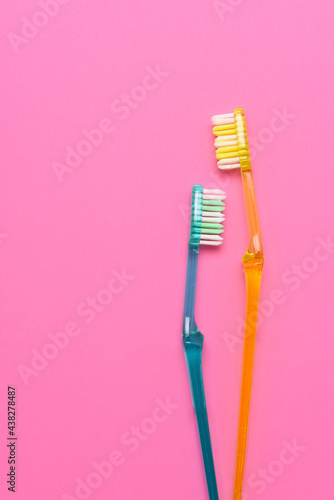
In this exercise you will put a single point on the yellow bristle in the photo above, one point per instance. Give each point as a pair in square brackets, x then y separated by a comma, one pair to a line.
[222, 156]
[228, 126]
[227, 149]
[225, 132]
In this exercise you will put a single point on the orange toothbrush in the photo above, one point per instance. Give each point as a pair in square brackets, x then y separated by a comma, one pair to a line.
[233, 152]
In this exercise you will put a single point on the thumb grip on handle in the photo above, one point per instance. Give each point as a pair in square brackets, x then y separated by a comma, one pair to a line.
[253, 270]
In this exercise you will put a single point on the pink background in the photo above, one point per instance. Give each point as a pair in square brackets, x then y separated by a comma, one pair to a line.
[124, 206]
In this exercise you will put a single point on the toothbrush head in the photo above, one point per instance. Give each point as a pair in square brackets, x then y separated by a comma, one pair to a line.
[206, 216]
[232, 150]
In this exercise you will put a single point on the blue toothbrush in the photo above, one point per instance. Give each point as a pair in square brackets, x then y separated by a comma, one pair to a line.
[206, 227]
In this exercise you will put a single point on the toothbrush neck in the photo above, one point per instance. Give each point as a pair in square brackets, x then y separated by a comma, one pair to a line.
[255, 239]
[189, 324]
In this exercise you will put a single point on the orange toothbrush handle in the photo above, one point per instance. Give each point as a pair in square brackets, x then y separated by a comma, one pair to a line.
[253, 270]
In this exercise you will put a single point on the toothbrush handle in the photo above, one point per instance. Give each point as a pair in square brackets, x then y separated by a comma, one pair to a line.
[253, 270]
[193, 345]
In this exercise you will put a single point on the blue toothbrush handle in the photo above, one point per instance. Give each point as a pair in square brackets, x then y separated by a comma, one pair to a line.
[193, 345]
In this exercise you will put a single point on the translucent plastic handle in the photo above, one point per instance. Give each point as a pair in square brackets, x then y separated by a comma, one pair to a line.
[193, 345]
[255, 240]
[253, 270]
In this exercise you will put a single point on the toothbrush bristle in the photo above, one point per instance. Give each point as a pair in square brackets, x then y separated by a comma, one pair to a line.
[212, 217]
[231, 140]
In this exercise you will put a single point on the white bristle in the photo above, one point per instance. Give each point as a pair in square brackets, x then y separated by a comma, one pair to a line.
[229, 167]
[207, 242]
[225, 140]
[224, 121]
[207, 239]
[213, 237]
[229, 164]
[225, 115]
[213, 191]
[214, 220]
[214, 196]
[214, 215]
[228, 161]
[220, 119]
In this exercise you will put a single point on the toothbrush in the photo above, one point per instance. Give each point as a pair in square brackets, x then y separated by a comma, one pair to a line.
[233, 152]
[205, 229]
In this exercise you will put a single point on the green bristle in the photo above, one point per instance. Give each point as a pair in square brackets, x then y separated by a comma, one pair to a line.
[212, 231]
[211, 225]
[212, 208]
[213, 202]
